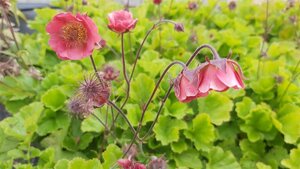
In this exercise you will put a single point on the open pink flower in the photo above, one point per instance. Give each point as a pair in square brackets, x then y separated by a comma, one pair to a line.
[128, 164]
[219, 75]
[121, 21]
[72, 37]
[186, 86]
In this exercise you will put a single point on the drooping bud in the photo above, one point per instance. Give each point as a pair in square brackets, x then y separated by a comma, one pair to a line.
[101, 44]
[193, 5]
[84, 2]
[232, 5]
[278, 79]
[179, 27]
[157, 163]
[109, 73]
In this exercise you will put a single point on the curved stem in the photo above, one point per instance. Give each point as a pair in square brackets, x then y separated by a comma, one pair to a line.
[144, 40]
[213, 51]
[149, 101]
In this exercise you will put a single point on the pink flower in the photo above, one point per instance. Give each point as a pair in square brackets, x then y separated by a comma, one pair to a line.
[128, 164]
[121, 21]
[217, 74]
[157, 2]
[72, 37]
[186, 86]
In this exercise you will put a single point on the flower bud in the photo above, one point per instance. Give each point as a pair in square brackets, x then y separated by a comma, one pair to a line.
[84, 2]
[192, 5]
[157, 163]
[179, 27]
[157, 2]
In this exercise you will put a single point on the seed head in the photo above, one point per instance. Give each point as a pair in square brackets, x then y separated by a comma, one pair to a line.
[80, 107]
[94, 90]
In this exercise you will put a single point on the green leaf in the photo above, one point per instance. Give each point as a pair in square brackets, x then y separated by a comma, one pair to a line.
[294, 161]
[259, 124]
[142, 86]
[217, 158]
[167, 129]
[289, 117]
[243, 108]
[54, 99]
[202, 133]
[217, 106]
[111, 155]
[179, 147]
[261, 165]
[31, 114]
[78, 163]
[189, 158]
[46, 158]
[57, 120]
[178, 110]
[134, 113]
[91, 124]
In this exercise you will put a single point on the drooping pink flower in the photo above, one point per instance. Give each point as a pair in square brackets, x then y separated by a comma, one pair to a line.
[72, 37]
[129, 164]
[121, 21]
[186, 86]
[157, 2]
[219, 75]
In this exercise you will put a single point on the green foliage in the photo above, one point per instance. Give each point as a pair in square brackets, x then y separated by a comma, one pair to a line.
[255, 128]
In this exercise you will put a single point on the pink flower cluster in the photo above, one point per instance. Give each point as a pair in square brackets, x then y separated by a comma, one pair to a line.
[218, 75]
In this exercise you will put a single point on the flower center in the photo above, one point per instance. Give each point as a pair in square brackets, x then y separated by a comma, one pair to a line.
[74, 32]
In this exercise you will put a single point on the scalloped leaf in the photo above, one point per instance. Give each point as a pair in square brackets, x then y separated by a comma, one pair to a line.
[217, 106]
[78, 163]
[189, 158]
[54, 99]
[202, 133]
[167, 129]
[217, 159]
[294, 161]
[243, 108]
[111, 155]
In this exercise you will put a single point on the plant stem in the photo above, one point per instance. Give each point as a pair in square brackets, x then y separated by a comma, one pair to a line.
[100, 121]
[149, 101]
[124, 71]
[122, 114]
[96, 72]
[213, 51]
[143, 42]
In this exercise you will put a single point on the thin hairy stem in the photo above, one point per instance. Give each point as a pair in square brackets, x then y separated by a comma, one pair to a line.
[123, 115]
[144, 40]
[101, 122]
[124, 72]
[96, 71]
[213, 51]
[10, 27]
[158, 112]
[149, 101]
